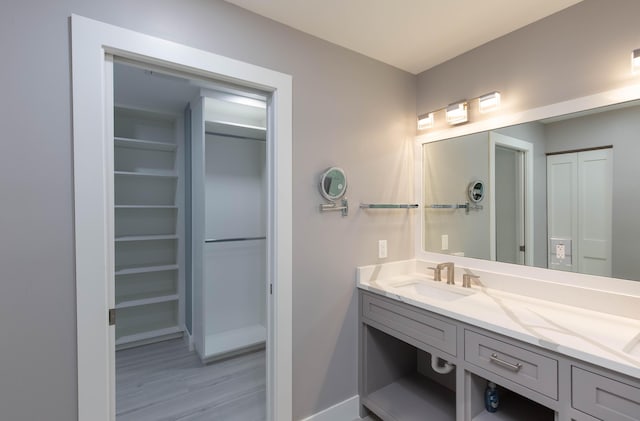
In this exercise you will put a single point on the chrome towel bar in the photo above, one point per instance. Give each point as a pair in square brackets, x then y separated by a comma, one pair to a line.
[388, 205]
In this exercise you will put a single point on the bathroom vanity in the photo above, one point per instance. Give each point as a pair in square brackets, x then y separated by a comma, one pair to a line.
[556, 351]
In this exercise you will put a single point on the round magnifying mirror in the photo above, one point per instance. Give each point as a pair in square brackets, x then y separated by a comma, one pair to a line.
[476, 191]
[333, 183]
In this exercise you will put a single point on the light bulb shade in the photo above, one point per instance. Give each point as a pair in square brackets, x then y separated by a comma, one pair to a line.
[425, 121]
[457, 113]
[489, 102]
[635, 61]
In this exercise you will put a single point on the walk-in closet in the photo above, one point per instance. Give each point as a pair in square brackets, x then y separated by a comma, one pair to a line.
[190, 247]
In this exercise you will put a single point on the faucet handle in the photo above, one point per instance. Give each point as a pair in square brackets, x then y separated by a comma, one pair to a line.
[436, 273]
[466, 279]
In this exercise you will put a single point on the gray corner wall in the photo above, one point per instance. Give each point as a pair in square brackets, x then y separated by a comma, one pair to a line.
[581, 50]
[349, 111]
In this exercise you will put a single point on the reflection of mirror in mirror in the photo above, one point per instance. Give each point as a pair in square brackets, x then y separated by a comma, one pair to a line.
[578, 212]
[476, 191]
[333, 183]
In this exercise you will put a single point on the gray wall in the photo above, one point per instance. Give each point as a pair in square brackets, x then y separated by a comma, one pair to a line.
[581, 50]
[619, 128]
[348, 110]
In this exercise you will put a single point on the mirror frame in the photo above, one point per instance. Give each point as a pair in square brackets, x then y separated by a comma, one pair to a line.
[602, 99]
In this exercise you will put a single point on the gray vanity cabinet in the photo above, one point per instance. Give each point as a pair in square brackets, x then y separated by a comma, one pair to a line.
[604, 397]
[398, 341]
[396, 344]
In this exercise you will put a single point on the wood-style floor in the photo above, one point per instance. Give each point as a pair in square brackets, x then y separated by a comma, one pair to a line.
[164, 381]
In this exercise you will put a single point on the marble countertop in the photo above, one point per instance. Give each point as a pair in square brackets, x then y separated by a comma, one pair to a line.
[596, 337]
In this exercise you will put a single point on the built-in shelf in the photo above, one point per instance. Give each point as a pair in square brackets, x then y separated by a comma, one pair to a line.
[514, 407]
[144, 174]
[225, 128]
[147, 226]
[124, 142]
[146, 238]
[146, 301]
[144, 269]
[145, 336]
[413, 398]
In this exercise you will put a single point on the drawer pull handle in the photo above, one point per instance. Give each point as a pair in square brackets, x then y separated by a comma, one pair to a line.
[513, 367]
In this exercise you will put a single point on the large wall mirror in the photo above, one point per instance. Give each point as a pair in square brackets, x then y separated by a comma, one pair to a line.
[560, 193]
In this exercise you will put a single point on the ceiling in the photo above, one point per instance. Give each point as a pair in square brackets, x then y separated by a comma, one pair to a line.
[413, 35]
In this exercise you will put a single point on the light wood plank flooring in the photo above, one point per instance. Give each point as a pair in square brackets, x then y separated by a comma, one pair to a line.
[166, 382]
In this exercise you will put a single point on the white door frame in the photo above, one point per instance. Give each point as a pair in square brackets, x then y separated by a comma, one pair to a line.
[92, 42]
[497, 139]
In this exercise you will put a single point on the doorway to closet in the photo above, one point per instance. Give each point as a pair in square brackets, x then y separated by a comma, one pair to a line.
[94, 45]
[190, 220]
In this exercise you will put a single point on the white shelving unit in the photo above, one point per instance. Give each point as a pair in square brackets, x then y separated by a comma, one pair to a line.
[148, 230]
[229, 227]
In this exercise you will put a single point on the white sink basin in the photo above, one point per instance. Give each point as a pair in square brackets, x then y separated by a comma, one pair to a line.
[438, 291]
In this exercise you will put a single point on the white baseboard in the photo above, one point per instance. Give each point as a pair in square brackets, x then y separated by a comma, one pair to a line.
[348, 410]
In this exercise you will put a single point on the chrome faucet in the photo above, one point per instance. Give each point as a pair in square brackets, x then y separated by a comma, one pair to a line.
[437, 272]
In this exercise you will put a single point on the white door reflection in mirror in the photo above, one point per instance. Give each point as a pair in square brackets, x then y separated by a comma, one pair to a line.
[579, 191]
[511, 167]
[509, 206]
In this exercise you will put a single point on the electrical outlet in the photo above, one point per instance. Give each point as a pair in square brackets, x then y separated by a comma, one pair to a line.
[560, 251]
[382, 249]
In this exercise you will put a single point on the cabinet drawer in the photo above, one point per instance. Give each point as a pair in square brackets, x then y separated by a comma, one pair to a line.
[603, 397]
[519, 365]
[413, 323]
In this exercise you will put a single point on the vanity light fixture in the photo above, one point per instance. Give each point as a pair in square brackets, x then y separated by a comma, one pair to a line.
[489, 102]
[457, 113]
[425, 121]
[635, 61]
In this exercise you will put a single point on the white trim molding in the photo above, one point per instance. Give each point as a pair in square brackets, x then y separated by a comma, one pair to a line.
[91, 43]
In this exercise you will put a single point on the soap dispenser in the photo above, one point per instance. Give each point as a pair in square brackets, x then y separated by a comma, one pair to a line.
[491, 399]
